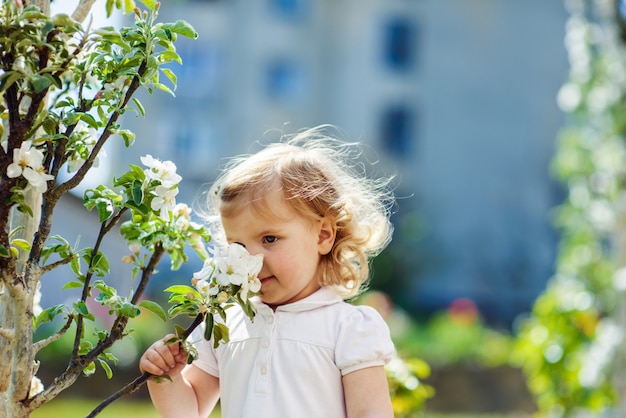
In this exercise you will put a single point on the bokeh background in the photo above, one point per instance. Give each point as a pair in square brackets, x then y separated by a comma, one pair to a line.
[456, 99]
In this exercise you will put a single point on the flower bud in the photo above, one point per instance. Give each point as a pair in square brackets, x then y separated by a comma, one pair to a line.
[222, 297]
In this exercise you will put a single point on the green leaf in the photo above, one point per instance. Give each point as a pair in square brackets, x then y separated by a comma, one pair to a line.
[170, 75]
[75, 265]
[181, 289]
[105, 209]
[22, 244]
[48, 315]
[129, 310]
[169, 56]
[127, 136]
[129, 5]
[150, 4]
[155, 308]
[32, 14]
[184, 28]
[208, 329]
[137, 192]
[139, 106]
[99, 264]
[157, 379]
[113, 36]
[179, 330]
[72, 285]
[89, 120]
[40, 83]
[224, 331]
[90, 369]
[4, 252]
[81, 308]
[8, 79]
[164, 88]
[62, 19]
[109, 7]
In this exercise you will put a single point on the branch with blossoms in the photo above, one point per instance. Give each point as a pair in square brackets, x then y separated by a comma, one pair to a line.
[158, 224]
[227, 278]
[63, 89]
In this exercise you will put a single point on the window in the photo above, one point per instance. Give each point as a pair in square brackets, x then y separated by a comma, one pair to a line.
[397, 130]
[399, 44]
[284, 81]
[289, 9]
[203, 72]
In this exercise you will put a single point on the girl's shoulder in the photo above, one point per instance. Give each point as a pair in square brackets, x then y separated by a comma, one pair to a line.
[350, 315]
[362, 340]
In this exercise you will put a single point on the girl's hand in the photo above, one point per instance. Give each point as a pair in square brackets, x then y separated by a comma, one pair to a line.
[160, 359]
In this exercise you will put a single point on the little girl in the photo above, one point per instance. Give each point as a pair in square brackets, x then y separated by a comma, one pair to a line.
[317, 222]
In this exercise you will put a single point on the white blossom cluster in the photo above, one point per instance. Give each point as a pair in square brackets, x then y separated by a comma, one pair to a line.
[231, 266]
[163, 172]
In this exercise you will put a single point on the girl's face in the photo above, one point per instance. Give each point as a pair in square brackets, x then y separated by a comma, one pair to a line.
[291, 246]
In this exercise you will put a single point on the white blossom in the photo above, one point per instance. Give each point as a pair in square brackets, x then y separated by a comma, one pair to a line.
[233, 266]
[35, 386]
[164, 201]
[162, 171]
[28, 162]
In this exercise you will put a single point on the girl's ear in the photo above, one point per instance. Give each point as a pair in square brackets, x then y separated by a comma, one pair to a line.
[326, 236]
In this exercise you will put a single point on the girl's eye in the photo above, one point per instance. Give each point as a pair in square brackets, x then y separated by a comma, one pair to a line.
[270, 239]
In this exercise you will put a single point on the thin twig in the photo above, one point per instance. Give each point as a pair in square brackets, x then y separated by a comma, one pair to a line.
[43, 343]
[56, 264]
[134, 386]
[86, 290]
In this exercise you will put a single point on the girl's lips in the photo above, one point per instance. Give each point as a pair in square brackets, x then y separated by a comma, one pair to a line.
[264, 279]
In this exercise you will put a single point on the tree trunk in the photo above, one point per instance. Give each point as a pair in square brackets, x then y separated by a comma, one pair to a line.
[16, 307]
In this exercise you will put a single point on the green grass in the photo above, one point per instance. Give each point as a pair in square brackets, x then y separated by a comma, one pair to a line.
[79, 408]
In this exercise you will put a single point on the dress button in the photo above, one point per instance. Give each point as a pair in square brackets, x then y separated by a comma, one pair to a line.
[265, 343]
[270, 320]
[263, 370]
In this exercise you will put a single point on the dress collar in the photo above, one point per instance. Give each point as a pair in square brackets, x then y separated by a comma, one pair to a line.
[322, 297]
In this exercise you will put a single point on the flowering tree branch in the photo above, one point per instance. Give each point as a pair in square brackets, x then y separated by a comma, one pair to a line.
[52, 58]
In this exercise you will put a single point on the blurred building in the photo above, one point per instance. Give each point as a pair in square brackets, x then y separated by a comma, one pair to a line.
[457, 97]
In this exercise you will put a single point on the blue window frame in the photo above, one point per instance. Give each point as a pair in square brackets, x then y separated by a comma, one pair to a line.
[284, 80]
[397, 130]
[290, 9]
[399, 44]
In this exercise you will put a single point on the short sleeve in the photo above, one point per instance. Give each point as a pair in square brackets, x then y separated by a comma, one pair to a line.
[207, 360]
[363, 341]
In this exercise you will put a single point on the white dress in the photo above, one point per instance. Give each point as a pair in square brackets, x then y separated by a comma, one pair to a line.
[289, 363]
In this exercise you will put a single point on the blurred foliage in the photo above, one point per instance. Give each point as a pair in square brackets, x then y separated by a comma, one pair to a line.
[568, 346]
[456, 336]
[408, 393]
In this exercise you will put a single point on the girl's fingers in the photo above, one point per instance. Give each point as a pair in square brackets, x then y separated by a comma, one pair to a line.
[161, 358]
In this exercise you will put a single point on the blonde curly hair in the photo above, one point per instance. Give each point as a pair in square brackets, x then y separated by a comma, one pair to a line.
[320, 177]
